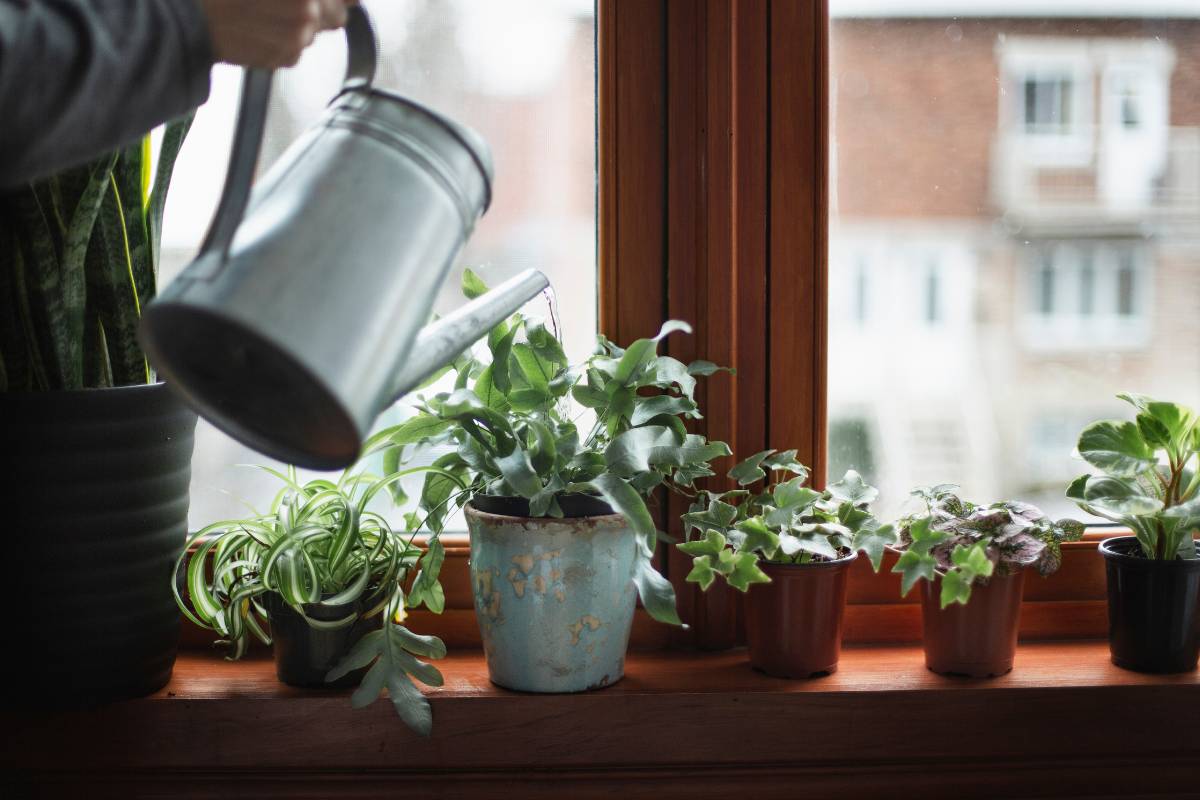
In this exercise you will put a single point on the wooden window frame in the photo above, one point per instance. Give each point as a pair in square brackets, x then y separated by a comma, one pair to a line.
[713, 208]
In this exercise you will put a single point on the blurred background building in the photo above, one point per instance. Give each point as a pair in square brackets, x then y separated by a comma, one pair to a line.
[1015, 234]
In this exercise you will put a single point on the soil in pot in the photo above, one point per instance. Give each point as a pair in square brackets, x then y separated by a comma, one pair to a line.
[794, 623]
[979, 639]
[304, 654]
[1153, 609]
[554, 598]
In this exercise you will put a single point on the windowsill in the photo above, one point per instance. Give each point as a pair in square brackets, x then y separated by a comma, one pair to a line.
[882, 718]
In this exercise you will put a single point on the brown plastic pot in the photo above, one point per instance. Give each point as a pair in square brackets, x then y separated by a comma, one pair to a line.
[794, 623]
[978, 639]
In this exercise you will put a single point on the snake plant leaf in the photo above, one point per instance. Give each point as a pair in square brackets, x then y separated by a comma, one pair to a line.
[48, 317]
[174, 135]
[112, 291]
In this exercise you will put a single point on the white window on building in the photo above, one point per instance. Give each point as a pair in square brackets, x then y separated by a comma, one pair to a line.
[1087, 294]
[1047, 103]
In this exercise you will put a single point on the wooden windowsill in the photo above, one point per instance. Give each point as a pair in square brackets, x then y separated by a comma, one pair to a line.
[706, 721]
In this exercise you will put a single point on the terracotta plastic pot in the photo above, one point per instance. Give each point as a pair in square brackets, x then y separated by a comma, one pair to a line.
[978, 639]
[1153, 609]
[794, 623]
[304, 654]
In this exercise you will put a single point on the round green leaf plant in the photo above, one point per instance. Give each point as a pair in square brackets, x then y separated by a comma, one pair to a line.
[1148, 477]
[322, 547]
[962, 543]
[522, 422]
[779, 519]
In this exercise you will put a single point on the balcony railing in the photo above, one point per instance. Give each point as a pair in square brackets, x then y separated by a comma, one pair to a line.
[1088, 180]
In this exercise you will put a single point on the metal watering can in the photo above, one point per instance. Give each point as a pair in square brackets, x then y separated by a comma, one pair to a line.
[301, 318]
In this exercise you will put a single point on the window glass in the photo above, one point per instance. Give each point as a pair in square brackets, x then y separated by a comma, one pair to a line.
[522, 73]
[1045, 157]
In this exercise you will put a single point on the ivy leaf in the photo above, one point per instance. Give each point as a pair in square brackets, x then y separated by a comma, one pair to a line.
[759, 537]
[750, 471]
[656, 592]
[1116, 448]
[955, 589]
[872, 541]
[914, 566]
[746, 572]
[702, 572]
[786, 461]
[852, 489]
[711, 545]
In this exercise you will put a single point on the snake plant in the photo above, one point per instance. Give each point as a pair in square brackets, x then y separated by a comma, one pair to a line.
[79, 258]
[322, 549]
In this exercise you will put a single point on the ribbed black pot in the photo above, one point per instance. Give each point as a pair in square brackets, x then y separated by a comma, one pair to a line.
[1153, 609]
[97, 484]
[304, 654]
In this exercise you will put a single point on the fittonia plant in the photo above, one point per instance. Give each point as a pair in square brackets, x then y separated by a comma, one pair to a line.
[782, 521]
[963, 543]
[513, 432]
[1150, 478]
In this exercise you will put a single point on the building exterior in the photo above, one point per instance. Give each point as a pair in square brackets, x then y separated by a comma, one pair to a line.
[1015, 234]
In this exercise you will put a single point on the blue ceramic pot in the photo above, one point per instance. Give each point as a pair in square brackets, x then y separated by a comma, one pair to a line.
[554, 598]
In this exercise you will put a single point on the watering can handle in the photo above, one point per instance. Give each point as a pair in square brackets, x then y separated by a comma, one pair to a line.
[252, 122]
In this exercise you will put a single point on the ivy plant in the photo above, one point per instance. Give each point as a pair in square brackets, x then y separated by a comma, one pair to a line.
[963, 543]
[1148, 477]
[521, 422]
[321, 547]
[775, 516]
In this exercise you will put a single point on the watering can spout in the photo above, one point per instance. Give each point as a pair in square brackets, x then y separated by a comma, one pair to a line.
[440, 342]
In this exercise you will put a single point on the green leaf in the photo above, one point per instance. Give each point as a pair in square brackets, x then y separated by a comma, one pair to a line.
[1117, 448]
[645, 409]
[913, 566]
[853, 489]
[702, 572]
[636, 449]
[518, 473]
[625, 501]
[705, 368]
[872, 541]
[711, 545]
[410, 704]
[746, 572]
[1112, 498]
[956, 588]
[750, 470]
[758, 537]
[472, 285]
[655, 591]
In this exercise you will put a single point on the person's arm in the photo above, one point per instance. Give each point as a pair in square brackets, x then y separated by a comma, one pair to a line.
[81, 77]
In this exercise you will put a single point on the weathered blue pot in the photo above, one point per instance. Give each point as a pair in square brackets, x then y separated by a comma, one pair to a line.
[554, 598]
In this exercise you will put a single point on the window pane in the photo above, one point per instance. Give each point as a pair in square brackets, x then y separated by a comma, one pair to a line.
[1047, 156]
[520, 73]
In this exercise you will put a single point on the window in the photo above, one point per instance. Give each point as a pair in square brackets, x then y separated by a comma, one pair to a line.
[1047, 103]
[522, 74]
[1051, 142]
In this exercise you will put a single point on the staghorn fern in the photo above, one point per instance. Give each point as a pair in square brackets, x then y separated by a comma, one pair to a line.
[79, 257]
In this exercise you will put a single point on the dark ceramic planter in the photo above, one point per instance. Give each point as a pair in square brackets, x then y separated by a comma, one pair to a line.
[304, 654]
[1153, 609]
[98, 514]
[794, 623]
[978, 639]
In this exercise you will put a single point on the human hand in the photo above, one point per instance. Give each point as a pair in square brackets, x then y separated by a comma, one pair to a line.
[269, 33]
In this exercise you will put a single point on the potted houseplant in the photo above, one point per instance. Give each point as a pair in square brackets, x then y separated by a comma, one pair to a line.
[555, 493]
[320, 578]
[972, 561]
[798, 543]
[1149, 482]
[98, 453]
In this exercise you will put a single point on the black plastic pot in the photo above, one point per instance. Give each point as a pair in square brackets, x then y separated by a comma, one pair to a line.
[304, 654]
[1153, 609]
[97, 487]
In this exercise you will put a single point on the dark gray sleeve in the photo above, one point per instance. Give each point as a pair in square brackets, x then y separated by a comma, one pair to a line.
[81, 77]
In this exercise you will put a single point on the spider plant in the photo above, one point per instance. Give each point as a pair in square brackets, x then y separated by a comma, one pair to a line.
[321, 547]
[79, 259]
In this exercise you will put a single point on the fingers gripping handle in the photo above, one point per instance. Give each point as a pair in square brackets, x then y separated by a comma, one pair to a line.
[252, 123]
